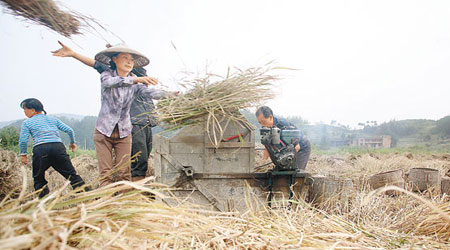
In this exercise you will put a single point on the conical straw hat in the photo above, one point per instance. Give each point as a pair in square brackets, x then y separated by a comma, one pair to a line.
[104, 56]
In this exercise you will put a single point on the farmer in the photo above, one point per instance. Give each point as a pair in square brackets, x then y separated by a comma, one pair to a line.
[266, 118]
[141, 112]
[118, 89]
[48, 150]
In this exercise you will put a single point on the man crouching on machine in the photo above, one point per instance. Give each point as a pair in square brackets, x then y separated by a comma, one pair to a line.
[302, 145]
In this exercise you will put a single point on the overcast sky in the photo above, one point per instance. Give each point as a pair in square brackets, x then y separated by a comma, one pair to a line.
[359, 60]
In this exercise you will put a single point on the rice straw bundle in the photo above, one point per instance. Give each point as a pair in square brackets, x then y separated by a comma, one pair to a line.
[5, 180]
[213, 98]
[429, 222]
[48, 13]
[9, 179]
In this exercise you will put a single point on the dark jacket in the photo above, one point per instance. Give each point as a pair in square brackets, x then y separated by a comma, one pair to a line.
[282, 123]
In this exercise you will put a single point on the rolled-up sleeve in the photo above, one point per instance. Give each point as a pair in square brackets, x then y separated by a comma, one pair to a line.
[108, 80]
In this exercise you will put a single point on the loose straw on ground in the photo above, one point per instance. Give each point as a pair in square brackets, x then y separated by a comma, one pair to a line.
[131, 220]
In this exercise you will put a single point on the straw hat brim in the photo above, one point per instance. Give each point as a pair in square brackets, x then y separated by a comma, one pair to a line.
[104, 56]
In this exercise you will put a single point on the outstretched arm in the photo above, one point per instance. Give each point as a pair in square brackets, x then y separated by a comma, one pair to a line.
[153, 93]
[65, 51]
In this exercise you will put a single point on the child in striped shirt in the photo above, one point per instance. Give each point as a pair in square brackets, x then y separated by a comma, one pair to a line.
[48, 149]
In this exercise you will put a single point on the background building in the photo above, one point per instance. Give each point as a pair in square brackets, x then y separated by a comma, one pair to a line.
[383, 141]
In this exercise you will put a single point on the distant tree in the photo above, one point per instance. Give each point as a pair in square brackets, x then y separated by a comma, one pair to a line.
[443, 126]
[250, 116]
[398, 128]
[369, 129]
[84, 131]
[324, 138]
[9, 137]
[297, 121]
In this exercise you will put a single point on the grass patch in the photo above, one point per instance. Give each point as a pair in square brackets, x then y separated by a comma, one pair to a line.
[80, 152]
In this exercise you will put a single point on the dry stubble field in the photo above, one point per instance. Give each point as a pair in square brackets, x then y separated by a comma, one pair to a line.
[100, 219]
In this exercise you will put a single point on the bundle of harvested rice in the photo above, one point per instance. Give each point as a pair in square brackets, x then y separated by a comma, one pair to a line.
[5, 182]
[49, 14]
[426, 221]
[212, 98]
[9, 179]
[430, 218]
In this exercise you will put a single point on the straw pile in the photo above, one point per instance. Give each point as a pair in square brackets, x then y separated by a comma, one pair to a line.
[98, 219]
[410, 213]
[49, 14]
[360, 167]
[130, 220]
[9, 179]
[428, 220]
[213, 98]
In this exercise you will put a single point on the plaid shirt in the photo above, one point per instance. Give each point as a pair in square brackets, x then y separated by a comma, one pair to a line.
[117, 93]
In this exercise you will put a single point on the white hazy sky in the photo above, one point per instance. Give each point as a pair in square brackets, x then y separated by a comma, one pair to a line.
[359, 60]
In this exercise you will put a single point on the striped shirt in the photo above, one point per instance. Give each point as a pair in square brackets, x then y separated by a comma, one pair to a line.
[43, 129]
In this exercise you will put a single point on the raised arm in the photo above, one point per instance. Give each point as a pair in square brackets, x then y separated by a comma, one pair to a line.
[65, 51]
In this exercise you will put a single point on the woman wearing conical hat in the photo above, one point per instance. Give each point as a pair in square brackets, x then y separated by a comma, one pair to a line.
[118, 88]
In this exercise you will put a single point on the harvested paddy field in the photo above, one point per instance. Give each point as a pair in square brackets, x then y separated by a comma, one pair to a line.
[133, 220]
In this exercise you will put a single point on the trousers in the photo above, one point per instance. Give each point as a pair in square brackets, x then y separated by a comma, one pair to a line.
[142, 142]
[104, 146]
[54, 155]
[303, 154]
